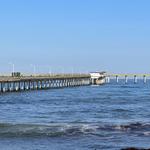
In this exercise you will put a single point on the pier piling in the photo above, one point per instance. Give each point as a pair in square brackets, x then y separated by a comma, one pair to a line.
[144, 79]
[135, 79]
[117, 78]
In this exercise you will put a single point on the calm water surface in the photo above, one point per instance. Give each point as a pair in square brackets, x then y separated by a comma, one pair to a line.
[111, 116]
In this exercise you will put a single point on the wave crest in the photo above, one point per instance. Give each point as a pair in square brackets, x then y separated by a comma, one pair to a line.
[67, 129]
[45, 130]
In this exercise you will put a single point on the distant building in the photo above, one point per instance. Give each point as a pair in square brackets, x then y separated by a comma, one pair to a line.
[98, 78]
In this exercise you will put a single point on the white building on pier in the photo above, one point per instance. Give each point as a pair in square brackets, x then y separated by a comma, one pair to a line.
[98, 77]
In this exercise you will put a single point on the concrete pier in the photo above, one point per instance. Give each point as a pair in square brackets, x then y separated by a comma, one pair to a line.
[16, 84]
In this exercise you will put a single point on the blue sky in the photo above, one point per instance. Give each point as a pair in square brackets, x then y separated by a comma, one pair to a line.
[79, 35]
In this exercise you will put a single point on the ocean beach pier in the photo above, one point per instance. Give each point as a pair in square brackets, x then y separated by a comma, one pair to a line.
[17, 82]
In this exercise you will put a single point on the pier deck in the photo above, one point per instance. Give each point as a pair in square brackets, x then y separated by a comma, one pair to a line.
[42, 77]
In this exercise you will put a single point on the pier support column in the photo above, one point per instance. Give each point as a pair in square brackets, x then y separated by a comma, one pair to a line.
[2, 87]
[144, 79]
[107, 79]
[73, 82]
[50, 84]
[135, 79]
[19, 86]
[44, 84]
[57, 83]
[14, 86]
[33, 85]
[61, 83]
[41, 84]
[24, 85]
[8, 86]
[64, 83]
[126, 79]
[117, 79]
[1, 84]
[37, 84]
[28, 85]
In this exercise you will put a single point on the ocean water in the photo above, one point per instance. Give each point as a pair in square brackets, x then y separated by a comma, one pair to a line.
[108, 117]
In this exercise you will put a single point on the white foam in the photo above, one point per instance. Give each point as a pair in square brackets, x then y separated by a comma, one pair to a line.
[147, 133]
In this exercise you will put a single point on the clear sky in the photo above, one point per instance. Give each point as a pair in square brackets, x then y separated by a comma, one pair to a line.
[79, 35]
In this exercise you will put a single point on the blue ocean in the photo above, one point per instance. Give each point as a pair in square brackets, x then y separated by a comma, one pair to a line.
[107, 117]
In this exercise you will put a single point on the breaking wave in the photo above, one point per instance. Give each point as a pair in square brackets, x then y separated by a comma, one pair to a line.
[52, 130]
[67, 129]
